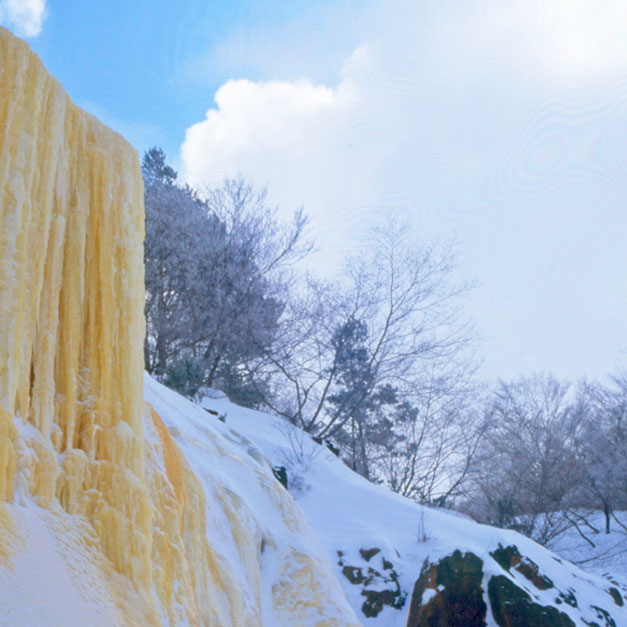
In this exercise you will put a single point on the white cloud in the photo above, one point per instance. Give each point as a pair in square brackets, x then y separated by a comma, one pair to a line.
[501, 121]
[564, 40]
[451, 88]
[314, 145]
[277, 134]
[24, 16]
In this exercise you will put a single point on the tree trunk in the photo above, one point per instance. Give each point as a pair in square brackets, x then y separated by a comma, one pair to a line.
[147, 360]
[606, 511]
[212, 371]
[160, 340]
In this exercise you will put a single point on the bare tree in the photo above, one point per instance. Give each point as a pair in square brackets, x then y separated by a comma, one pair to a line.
[386, 331]
[438, 448]
[531, 469]
[603, 447]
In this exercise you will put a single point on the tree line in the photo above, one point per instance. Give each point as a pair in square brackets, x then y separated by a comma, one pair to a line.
[555, 453]
[376, 359]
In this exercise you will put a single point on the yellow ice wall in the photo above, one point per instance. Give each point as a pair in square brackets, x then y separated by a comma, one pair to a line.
[116, 494]
[71, 367]
[71, 310]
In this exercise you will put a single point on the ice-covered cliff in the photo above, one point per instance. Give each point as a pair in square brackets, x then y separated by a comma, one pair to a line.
[101, 519]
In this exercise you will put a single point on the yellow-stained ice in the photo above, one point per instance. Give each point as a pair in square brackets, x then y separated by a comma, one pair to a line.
[71, 313]
[112, 487]
[193, 586]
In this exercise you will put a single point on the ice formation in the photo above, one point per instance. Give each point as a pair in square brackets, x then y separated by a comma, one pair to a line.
[93, 489]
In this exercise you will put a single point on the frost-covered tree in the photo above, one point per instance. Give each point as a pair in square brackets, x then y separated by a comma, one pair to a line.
[177, 228]
[386, 331]
[531, 469]
[216, 277]
[436, 448]
[247, 279]
[603, 448]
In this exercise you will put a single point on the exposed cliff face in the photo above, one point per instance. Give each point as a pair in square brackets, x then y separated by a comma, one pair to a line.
[92, 486]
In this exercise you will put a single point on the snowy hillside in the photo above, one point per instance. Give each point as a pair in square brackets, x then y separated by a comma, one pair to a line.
[605, 554]
[378, 545]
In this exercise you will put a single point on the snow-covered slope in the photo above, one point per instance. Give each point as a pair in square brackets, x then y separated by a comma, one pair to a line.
[335, 550]
[597, 552]
[260, 540]
[373, 539]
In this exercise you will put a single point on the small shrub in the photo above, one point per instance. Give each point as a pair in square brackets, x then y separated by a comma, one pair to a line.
[185, 376]
[423, 534]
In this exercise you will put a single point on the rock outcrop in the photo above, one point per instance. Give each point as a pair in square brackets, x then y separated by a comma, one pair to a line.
[377, 579]
[508, 589]
[449, 593]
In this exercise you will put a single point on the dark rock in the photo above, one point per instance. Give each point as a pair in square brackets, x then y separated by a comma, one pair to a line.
[604, 615]
[617, 596]
[280, 472]
[354, 574]
[380, 588]
[367, 554]
[568, 598]
[376, 599]
[509, 557]
[505, 556]
[318, 440]
[512, 607]
[454, 596]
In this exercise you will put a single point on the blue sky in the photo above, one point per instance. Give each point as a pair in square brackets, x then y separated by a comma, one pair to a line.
[501, 124]
[151, 68]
